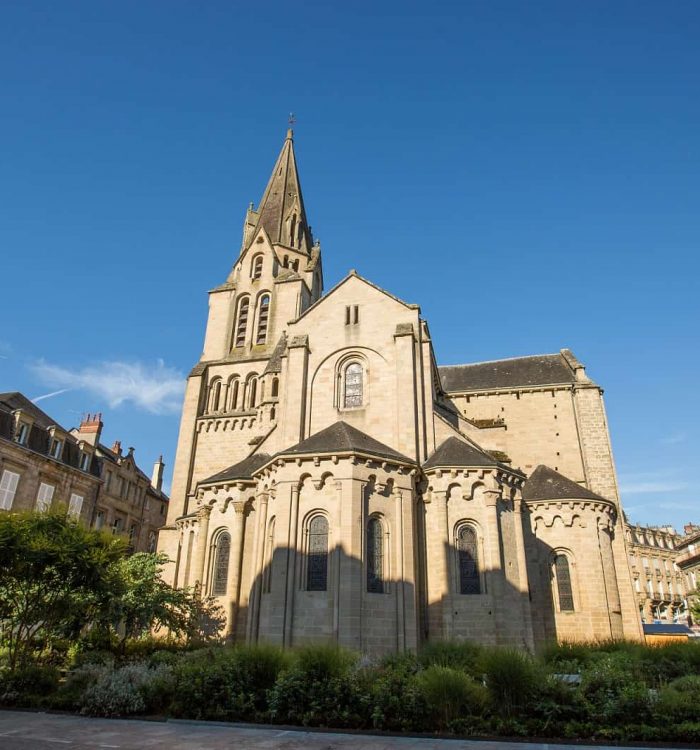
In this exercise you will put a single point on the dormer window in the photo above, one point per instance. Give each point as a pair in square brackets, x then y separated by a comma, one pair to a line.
[85, 461]
[56, 448]
[22, 433]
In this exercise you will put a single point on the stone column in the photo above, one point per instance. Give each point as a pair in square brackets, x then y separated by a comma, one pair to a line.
[291, 566]
[523, 585]
[234, 584]
[495, 573]
[401, 577]
[203, 515]
[612, 593]
[258, 562]
[440, 567]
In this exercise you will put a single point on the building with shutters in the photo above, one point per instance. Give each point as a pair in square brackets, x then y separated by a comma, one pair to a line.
[333, 483]
[44, 466]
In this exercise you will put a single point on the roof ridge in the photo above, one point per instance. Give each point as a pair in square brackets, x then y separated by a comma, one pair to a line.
[505, 359]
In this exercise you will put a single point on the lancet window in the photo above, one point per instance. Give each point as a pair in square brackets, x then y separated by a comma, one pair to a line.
[222, 552]
[263, 316]
[468, 561]
[257, 267]
[317, 565]
[353, 385]
[242, 322]
[375, 556]
[562, 573]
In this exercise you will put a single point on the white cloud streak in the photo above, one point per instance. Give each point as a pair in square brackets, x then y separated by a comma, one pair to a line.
[155, 388]
[49, 395]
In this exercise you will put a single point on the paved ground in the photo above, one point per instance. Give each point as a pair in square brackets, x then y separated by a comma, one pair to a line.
[21, 730]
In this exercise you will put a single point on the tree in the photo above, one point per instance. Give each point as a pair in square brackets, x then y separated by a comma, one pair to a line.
[57, 576]
[144, 602]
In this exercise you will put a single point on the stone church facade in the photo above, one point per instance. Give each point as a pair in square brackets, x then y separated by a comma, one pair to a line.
[333, 483]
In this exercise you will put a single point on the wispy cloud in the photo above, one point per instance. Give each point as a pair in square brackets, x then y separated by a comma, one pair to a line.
[49, 395]
[675, 439]
[644, 483]
[154, 387]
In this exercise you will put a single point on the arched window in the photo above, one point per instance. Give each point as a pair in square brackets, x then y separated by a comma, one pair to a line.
[214, 395]
[242, 322]
[263, 315]
[275, 387]
[221, 553]
[317, 569]
[468, 561]
[257, 267]
[252, 392]
[233, 389]
[562, 573]
[375, 557]
[352, 385]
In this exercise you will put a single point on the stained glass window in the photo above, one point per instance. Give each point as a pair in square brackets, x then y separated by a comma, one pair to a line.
[375, 557]
[353, 385]
[221, 556]
[317, 569]
[563, 576]
[468, 561]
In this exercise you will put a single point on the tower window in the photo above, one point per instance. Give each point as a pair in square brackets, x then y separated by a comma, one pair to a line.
[352, 395]
[352, 315]
[263, 316]
[375, 557]
[257, 267]
[468, 561]
[242, 322]
[222, 551]
[317, 569]
[233, 394]
[252, 392]
[562, 573]
[293, 230]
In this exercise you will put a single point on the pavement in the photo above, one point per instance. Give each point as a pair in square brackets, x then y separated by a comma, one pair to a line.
[24, 730]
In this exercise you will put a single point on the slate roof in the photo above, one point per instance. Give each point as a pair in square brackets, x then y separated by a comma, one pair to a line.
[455, 452]
[541, 369]
[275, 363]
[344, 438]
[242, 470]
[546, 484]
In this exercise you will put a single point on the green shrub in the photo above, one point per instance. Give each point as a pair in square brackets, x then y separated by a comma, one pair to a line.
[78, 681]
[613, 691]
[462, 655]
[512, 678]
[323, 687]
[28, 686]
[450, 694]
[679, 700]
[131, 689]
[396, 700]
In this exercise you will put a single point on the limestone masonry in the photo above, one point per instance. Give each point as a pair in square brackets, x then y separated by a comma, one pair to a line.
[333, 483]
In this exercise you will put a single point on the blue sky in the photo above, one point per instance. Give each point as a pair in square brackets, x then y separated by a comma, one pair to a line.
[526, 172]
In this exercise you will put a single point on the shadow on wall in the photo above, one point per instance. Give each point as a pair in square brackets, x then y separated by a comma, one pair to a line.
[302, 597]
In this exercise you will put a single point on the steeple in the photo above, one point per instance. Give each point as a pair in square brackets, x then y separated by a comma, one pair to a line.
[281, 211]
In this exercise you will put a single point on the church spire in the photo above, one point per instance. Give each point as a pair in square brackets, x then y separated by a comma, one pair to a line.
[281, 210]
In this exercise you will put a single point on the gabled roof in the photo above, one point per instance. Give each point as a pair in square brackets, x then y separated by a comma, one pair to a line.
[540, 369]
[354, 275]
[275, 363]
[344, 438]
[455, 452]
[242, 470]
[546, 484]
[281, 196]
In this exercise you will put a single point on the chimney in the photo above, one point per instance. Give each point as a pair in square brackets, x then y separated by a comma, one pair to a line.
[157, 478]
[90, 429]
[117, 447]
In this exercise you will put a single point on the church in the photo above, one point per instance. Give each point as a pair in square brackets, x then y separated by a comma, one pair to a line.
[333, 483]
